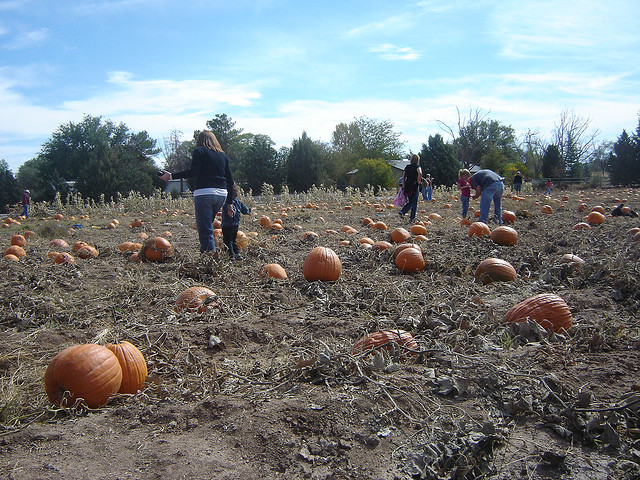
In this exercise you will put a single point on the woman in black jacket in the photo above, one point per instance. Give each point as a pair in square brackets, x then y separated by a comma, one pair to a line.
[213, 188]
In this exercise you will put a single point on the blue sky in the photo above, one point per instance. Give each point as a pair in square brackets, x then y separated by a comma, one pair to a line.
[281, 67]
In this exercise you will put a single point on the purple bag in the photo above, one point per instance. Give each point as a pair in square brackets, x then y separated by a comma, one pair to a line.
[401, 199]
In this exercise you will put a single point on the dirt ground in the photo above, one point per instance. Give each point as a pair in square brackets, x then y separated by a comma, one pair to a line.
[267, 386]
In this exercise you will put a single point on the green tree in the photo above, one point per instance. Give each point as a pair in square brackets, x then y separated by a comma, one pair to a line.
[177, 153]
[439, 160]
[259, 164]
[229, 137]
[363, 138]
[9, 191]
[624, 161]
[375, 172]
[101, 157]
[552, 166]
[307, 163]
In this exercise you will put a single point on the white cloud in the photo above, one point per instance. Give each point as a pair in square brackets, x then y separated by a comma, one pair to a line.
[27, 39]
[389, 51]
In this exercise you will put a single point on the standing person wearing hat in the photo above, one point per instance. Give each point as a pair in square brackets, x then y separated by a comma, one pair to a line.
[26, 201]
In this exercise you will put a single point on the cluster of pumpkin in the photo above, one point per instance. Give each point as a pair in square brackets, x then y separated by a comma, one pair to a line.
[16, 250]
[80, 248]
[94, 373]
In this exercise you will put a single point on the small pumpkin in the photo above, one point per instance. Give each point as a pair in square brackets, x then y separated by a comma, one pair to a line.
[274, 270]
[11, 256]
[59, 243]
[385, 339]
[196, 299]
[87, 252]
[581, 226]
[504, 235]
[87, 371]
[265, 221]
[547, 209]
[508, 216]
[133, 365]
[322, 264]
[418, 229]
[595, 217]
[548, 309]
[63, 257]
[495, 270]
[16, 250]
[381, 245]
[598, 209]
[410, 260]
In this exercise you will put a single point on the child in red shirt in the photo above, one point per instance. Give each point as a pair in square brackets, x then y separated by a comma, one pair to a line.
[465, 190]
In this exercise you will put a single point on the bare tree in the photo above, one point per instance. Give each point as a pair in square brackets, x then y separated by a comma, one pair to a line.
[175, 152]
[575, 144]
[532, 148]
[468, 140]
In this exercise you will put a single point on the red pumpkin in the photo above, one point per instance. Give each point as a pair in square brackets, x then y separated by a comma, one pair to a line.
[133, 365]
[322, 264]
[547, 309]
[87, 371]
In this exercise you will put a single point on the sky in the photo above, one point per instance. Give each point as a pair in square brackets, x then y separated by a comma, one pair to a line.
[284, 67]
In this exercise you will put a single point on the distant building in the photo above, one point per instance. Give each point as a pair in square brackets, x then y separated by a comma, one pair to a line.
[178, 185]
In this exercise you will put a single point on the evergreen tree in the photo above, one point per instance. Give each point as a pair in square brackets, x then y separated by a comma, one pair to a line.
[307, 164]
[9, 191]
[624, 161]
[439, 160]
[552, 165]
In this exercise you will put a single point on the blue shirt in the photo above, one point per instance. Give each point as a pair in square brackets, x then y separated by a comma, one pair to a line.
[240, 208]
[484, 178]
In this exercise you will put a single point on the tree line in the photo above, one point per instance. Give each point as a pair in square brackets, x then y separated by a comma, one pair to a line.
[101, 159]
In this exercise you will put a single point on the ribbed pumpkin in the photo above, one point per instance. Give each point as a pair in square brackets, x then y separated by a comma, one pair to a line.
[410, 260]
[595, 218]
[547, 309]
[479, 229]
[399, 235]
[495, 270]
[265, 221]
[322, 264]
[386, 337]
[86, 371]
[274, 270]
[435, 217]
[508, 216]
[133, 365]
[156, 249]
[195, 299]
[504, 235]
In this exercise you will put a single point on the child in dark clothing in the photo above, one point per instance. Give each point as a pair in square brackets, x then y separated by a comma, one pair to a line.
[230, 225]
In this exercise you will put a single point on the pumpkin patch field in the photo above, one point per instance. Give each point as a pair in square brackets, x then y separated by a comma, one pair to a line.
[346, 343]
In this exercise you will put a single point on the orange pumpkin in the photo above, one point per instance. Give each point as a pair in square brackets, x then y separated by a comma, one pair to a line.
[196, 299]
[547, 309]
[381, 245]
[18, 240]
[136, 223]
[124, 246]
[87, 252]
[595, 217]
[495, 270]
[274, 270]
[435, 217]
[322, 264]
[11, 256]
[63, 257]
[399, 235]
[385, 339]
[133, 365]
[547, 209]
[598, 209]
[156, 249]
[418, 229]
[59, 243]
[479, 229]
[410, 260]
[504, 235]
[508, 216]
[15, 250]
[465, 222]
[265, 221]
[581, 226]
[87, 371]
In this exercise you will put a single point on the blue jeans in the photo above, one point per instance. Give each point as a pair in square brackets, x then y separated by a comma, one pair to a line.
[492, 192]
[517, 187]
[411, 204]
[25, 211]
[206, 207]
[465, 206]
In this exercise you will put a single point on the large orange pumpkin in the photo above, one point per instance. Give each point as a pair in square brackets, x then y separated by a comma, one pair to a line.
[384, 339]
[508, 216]
[133, 365]
[15, 250]
[504, 235]
[547, 309]
[195, 299]
[399, 235]
[495, 270]
[418, 229]
[322, 264]
[156, 249]
[18, 240]
[87, 371]
[595, 218]
[410, 260]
